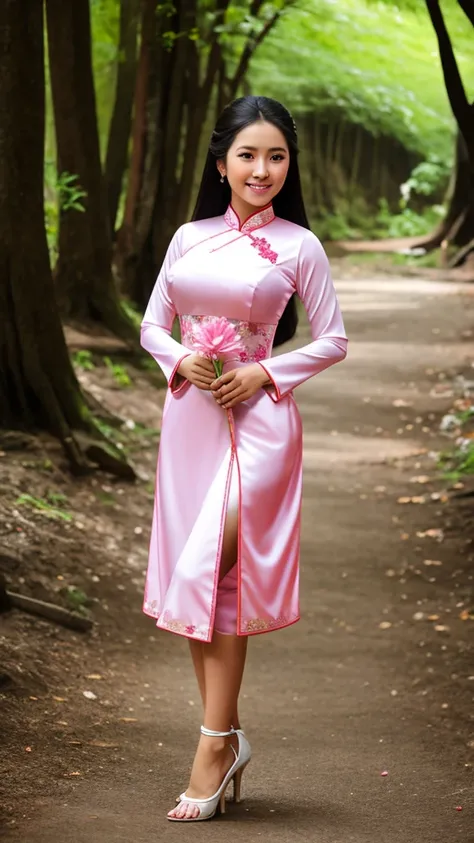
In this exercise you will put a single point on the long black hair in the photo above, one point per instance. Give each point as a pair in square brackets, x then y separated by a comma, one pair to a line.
[214, 197]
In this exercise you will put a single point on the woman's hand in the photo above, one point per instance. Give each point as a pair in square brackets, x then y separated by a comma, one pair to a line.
[238, 385]
[197, 370]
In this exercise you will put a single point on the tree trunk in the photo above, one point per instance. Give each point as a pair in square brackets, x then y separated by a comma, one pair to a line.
[170, 110]
[121, 121]
[178, 100]
[38, 387]
[458, 225]
[84, 278]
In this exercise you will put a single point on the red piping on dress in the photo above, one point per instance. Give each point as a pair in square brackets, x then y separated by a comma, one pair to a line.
[278, 393]
[175, 389]
[219, 544]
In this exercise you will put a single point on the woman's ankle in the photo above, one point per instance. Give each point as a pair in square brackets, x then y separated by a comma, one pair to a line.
[216, 745]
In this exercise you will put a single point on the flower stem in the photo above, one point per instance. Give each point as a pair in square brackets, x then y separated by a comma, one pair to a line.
[218, 368]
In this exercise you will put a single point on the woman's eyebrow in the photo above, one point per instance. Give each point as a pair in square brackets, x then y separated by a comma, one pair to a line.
[255, 149]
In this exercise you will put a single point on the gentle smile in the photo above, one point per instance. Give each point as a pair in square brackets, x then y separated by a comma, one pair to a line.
[258, 186]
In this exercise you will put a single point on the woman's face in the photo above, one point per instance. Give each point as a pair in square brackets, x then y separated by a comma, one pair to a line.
[256, 166]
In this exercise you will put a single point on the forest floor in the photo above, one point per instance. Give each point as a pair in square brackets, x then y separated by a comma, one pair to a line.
[98, 729]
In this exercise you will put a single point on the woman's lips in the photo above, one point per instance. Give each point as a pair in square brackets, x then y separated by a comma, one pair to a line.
[259, 188]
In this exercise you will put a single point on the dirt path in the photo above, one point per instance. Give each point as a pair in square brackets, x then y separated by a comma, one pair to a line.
[335, 700]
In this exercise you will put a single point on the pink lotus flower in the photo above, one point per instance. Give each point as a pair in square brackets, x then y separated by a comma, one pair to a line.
[217, 339]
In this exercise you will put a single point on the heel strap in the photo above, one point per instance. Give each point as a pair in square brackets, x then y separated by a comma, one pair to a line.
[211, 734]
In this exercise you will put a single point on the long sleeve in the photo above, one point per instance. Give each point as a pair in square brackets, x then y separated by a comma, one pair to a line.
[315, 288]
[158, 321]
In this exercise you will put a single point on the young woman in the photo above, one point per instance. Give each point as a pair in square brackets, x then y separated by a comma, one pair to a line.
[224, 550]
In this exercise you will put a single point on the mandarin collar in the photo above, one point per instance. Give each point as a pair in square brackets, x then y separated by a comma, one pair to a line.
[256, 220]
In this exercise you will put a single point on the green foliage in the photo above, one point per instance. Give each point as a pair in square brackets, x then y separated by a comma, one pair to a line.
[62, 194]
[76, 598]
[376, 64]
[427, 178]
[407, 223]
[70, 194]
[118, 372]
[459, 460]
[83, 360]
[334, 227]
[46, 506]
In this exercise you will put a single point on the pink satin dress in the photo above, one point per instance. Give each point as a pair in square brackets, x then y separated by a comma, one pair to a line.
[246, 272]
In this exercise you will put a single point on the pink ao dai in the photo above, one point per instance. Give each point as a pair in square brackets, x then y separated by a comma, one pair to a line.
[246, 273]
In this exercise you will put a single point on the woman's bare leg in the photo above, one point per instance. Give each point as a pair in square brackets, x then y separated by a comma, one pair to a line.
[196, 648]
[229, 558]
[224, 661]
[219, 677]
[197, 657]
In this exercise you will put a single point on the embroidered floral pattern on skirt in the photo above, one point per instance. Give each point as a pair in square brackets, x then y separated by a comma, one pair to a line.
[265, 624]
[257, 337]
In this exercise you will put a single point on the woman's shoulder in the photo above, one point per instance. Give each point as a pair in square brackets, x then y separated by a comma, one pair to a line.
[191, 232]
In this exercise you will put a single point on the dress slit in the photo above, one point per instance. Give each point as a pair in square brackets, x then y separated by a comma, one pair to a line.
[226, 607]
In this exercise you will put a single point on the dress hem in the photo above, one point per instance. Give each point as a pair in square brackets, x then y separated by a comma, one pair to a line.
[207, 639]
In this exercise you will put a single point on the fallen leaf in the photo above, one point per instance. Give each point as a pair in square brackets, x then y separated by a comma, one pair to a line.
[441, 628]
[430, 562]
[434, 533]
[128, 719]
[466, 615]
[94, 676]
[28, 749]
[103, 744]
[89, 695]
[433, 617]
[421, 478]
[385, 625]
[59, 699]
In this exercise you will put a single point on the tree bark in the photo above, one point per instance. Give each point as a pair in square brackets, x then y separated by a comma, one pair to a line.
[38, 387]
[121, 121]
[83, 273]
[170, 128]
[171, 106]
[457, 227]
[462, 110]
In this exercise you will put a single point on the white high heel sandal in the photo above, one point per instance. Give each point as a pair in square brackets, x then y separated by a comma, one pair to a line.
[208, 807]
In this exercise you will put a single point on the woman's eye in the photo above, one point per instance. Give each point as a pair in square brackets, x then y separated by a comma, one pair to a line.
[248, 155]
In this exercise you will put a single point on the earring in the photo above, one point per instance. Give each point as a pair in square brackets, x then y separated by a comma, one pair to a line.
[222, 179]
